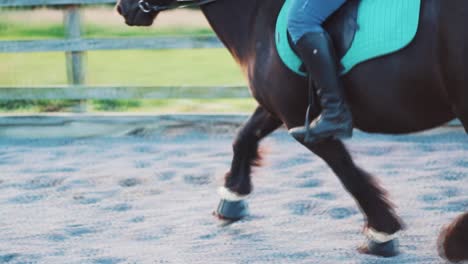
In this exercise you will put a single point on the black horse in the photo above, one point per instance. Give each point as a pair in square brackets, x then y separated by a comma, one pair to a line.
[420, 87]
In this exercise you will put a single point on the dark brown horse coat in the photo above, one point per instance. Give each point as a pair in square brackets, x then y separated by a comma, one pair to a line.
[417, 88]
[453, 241]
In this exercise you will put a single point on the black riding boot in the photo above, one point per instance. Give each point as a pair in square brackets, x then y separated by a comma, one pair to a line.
[335, 120]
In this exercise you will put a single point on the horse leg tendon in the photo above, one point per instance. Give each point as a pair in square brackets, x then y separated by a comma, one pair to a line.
[370, 197]
[245, 148]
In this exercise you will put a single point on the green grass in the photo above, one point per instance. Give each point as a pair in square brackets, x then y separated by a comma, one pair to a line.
[12, 31]
[167, 67]
[127, 67]
[24, 29]
[197, 67]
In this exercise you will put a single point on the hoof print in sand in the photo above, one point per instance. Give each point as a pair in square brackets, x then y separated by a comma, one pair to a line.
[144, 149]
[451, 192]
[123, 207]
[138, 219]
[108, 261]
[379, 151]
[462, 163]
[27, 198]
[8, 257]
[75, 184]
[456, 206]
[341, 213]
[142, 164]
[203, 179]
[430, 198]
[187, 165]
[42, 182]
[301, 207]
[325, 196]
[92, 197]
[453, 176]
[130, 182]
[166, 175]
[155, 234]
[208, 236]
[55, 238]
[78, 230]
[292, 163]
[86, 200]
[310, 184]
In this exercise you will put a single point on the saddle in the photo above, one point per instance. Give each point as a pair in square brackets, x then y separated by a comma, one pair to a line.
[342, 27]
[361, 30]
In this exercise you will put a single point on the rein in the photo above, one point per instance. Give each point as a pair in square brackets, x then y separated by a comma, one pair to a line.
[149, 8]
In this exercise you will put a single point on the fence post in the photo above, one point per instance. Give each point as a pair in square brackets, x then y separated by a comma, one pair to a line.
[75, 59]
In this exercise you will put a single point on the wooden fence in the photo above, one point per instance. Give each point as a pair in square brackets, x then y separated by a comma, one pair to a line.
[75, 46]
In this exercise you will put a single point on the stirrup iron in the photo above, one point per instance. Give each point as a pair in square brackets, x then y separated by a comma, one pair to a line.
[309, 110]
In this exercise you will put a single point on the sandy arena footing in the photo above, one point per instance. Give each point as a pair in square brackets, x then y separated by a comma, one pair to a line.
[145, 194]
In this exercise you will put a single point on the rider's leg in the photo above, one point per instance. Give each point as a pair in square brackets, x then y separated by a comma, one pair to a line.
[316, 50]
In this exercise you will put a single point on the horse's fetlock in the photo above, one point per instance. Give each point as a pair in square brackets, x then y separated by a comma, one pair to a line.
[240, 189]
[385, 221]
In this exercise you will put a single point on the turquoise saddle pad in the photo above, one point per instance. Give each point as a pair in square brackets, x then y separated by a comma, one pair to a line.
[384, 27]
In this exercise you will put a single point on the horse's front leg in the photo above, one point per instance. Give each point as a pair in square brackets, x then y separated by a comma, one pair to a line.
[237, 181]
[382, 222]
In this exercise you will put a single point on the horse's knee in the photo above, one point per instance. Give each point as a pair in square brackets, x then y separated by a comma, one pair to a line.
[243, 141]
[245, 145]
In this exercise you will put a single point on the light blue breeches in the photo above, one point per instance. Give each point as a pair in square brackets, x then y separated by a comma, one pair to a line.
[308, 16]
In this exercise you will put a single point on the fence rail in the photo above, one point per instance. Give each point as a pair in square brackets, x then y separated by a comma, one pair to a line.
[110, 44]
[20, 3]
[122, 92]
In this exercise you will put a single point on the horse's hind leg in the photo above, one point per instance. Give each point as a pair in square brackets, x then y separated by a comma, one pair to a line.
[382, 221]
[461, 110]
[458, 98]
[237, 181]
[453, 240]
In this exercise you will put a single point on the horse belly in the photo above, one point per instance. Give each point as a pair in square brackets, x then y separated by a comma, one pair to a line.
[394, 107]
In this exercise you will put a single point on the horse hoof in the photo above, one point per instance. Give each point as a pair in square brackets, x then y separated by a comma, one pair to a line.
[232, 206]
[387, 249]
[232, 210]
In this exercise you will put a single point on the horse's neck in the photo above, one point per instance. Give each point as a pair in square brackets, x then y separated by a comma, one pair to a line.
[236, 23]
